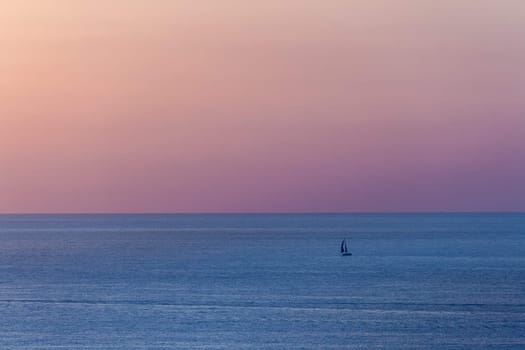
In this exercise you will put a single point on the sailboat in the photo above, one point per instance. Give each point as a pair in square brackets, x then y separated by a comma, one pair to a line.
[344, 249]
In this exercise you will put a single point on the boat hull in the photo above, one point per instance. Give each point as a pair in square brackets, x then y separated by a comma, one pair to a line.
[346, 254]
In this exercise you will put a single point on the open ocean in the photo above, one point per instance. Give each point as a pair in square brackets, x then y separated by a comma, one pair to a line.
[415, 281]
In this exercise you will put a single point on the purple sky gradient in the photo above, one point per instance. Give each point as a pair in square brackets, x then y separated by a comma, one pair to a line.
[274, 106]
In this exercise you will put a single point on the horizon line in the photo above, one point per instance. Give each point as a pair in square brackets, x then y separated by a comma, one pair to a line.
[270, 212]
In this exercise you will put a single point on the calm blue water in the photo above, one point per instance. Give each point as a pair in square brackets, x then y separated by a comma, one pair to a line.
[416, 281]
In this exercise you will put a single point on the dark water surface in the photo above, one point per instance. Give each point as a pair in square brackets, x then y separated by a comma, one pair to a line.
[416, 281]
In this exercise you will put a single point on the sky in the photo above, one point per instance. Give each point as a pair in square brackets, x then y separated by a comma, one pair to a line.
[262, 106]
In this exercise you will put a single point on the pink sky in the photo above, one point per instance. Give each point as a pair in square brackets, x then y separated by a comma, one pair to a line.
[270, 106]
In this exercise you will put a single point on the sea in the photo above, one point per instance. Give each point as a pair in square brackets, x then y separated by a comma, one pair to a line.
[262, 281]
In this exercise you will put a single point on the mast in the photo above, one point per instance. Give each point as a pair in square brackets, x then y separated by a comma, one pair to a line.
[343, 246]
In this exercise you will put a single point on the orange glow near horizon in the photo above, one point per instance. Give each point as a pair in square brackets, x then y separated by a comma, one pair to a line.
[232, 106]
